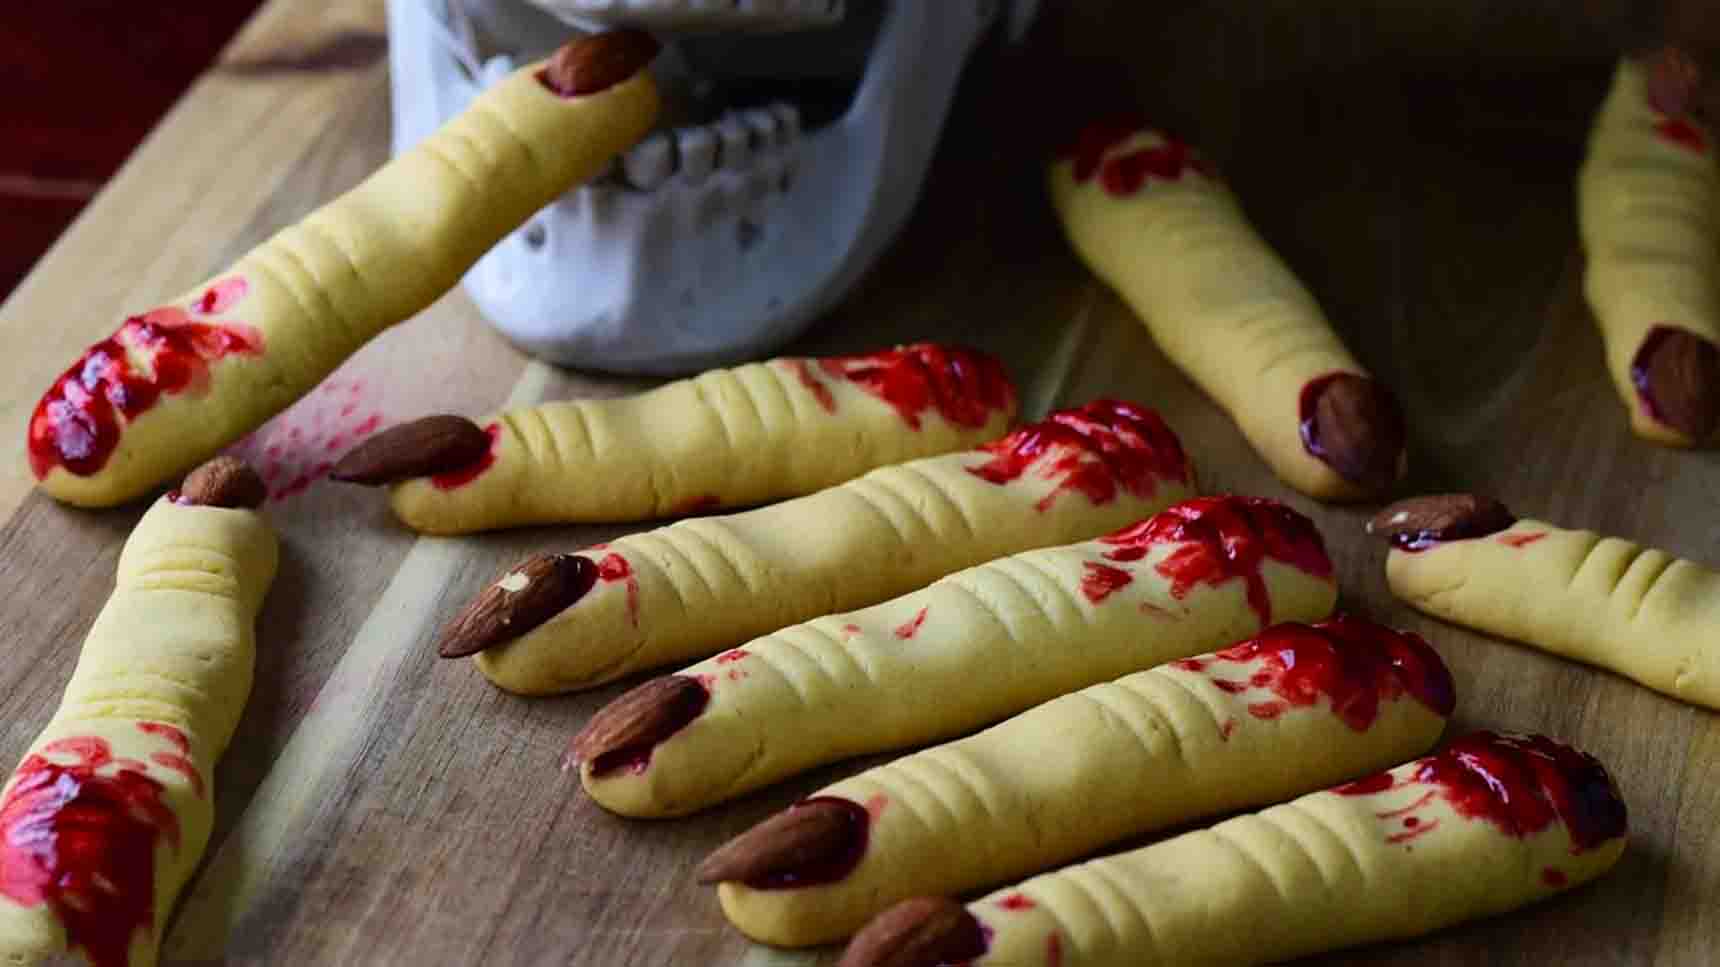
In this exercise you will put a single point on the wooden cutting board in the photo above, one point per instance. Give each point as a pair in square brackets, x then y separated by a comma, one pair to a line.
[382, 806]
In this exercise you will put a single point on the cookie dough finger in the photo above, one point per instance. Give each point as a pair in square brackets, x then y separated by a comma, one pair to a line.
[564, 622]
[973, 648]
[177, 383]
[108, 814]
[1292, 710]
[1634, 610]
[1153, 220]
[1649, 204]
[1490, 824]
[727, 438]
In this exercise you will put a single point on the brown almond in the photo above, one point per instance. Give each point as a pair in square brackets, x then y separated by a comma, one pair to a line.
[598, 62]
[818, 840]
[526, 596]
[223, 482]
[1355, 426]
[627, 729]
[1677, 373]
[1420, 521]
[421, 448]
[921, 932]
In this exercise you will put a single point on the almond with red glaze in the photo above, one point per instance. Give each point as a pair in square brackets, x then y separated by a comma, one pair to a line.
[1677, 374]
[421, 448]
[922, 932]
[1422, 521]
[593, 64]
[627, 729]
[520, 600]
[1354, 425]
[223, 482]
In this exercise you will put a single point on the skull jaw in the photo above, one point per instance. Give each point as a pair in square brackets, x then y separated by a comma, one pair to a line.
[706, 272]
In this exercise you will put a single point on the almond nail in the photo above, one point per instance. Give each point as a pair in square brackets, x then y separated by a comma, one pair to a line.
[817, 840]
[520, 600]
[1677, 374]
[596, 63]
[1673, 78]
[222, 482]
[1421, 522]
[922, 932]
[1352, 423]
[432, 445]
[623, 733]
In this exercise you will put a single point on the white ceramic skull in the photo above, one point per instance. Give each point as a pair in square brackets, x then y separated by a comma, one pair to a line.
[796, 138]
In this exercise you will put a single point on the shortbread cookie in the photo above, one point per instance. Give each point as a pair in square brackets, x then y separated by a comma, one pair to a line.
[1152, 219]
[564, 622]
[1490, 824]
[1295, 709]
[728, 438]
[176, 384]
[108, 814]
[1630, 609]
[973, 648]
[1649, 201]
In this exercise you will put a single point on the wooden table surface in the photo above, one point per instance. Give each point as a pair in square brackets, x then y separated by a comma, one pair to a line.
[379, 806]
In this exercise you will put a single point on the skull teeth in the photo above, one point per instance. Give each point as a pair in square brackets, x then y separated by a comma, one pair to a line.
[770, 15]
[749, 141]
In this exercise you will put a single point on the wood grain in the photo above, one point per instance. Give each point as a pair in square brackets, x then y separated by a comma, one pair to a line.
[1413, 162]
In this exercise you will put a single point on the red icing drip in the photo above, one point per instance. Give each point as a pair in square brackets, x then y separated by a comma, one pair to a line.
[1016, 901]
[171, 733]
[876, 804]
[732, 656]
[850, 629]
[77, 424]
[1227, 729]
[1521, 784]
[1054, 950]
[614, 567]
[1554, 878]
[964, 385]
[1128, 174]
[1412, 829]
[819, 391]
[1682, 133]
[183, 766]
[84, 843]
[1224, 538]
[1098, 138]
[1102, 580]
[1405, 810]
[1355, 664]
[465, 475]
[1521, 540]
[911, 627]
[1094, 450]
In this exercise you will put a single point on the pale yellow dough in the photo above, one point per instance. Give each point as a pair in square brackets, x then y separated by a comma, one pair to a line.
[1152, 750]
[376, 256]
[1600, 600]
[981, 645]
[1316, 874]
[1220, 303]
[727, 438]
[1648, 209]
[174, 646]
[700, 585]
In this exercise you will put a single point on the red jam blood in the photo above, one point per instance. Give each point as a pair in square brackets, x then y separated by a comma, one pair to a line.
[81, 838]
[1682, 133]
[963, 385]
[465, 475]
[1521, 540]
[77, 424]
[1126, 175]
[834, 863]
[911, 627]
[1103, 580]
[1094, 450]
[1355, 664]
[808, 379]
[1017, 901]
[614, 567]
[1225, 538]
[1097, 139]
[178, 761]
[1521, 784]
[685, 705]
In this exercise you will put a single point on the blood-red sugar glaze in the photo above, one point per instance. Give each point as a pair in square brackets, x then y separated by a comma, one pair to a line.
[1097, 450]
